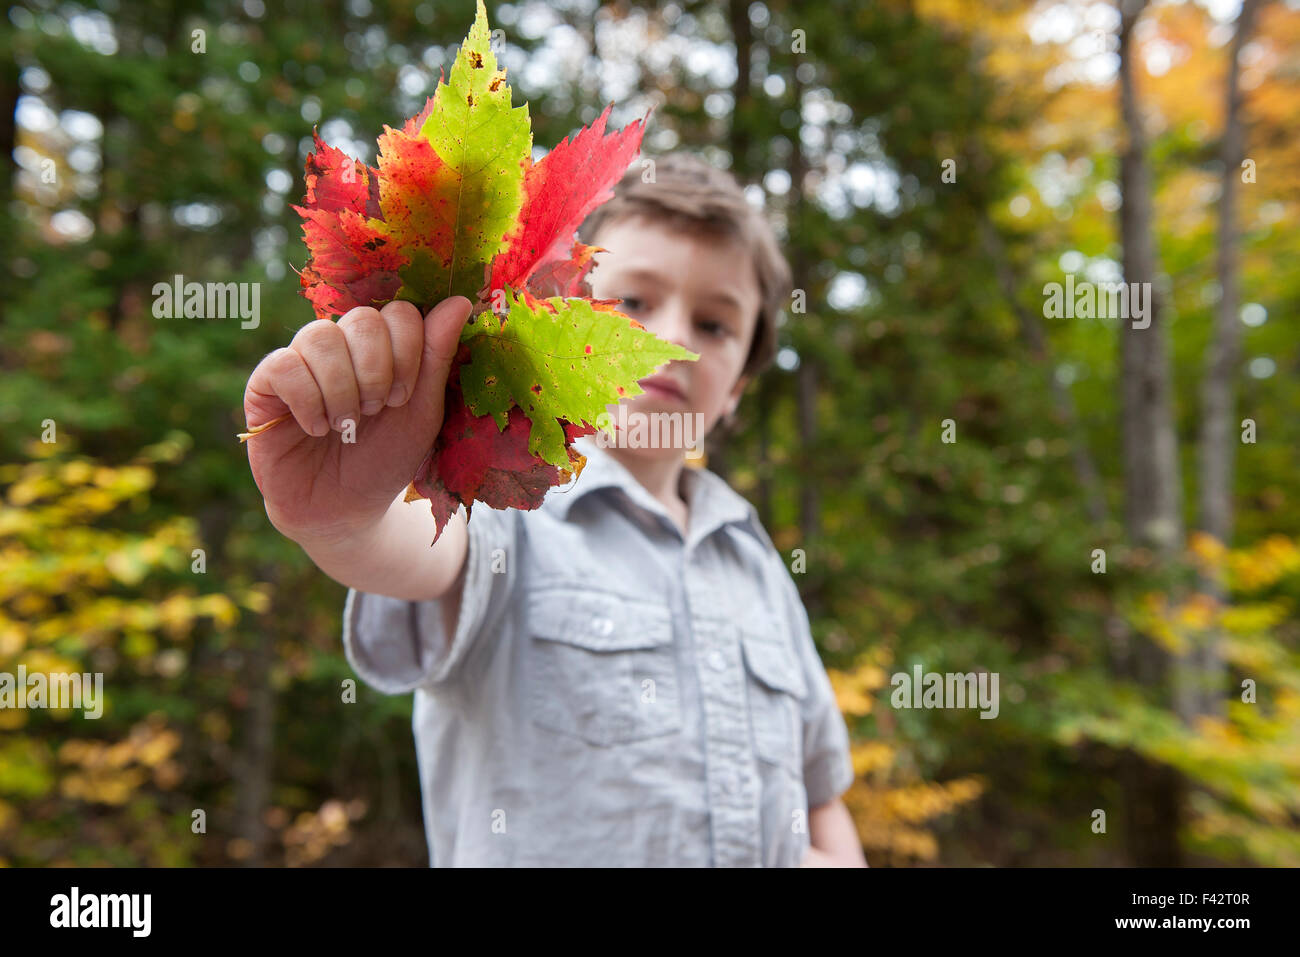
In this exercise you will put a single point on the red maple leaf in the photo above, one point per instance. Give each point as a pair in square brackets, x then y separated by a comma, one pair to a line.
[352, 263]
[412, 127]
[560, 191]
[335, 181]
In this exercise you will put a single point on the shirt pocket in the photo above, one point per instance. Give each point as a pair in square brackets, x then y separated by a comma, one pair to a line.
[776, 690]
[603, 667]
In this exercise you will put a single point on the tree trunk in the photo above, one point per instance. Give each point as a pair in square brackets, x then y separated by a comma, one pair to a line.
[1151, 482]
[738, 141]
[741, 93]
[1218, 440]
[808, 375]
[256, 755]
[1153, 517]
[8, 140]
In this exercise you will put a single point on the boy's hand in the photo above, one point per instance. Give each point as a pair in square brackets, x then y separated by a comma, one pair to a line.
[387, 367]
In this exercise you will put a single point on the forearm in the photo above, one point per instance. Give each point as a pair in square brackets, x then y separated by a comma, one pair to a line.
[834, 838]
[393, 557]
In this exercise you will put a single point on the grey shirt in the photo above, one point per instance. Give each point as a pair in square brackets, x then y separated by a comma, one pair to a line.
[613, 695]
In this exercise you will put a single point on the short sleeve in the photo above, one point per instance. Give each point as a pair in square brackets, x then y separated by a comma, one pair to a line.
[396, 646]
[827, 762]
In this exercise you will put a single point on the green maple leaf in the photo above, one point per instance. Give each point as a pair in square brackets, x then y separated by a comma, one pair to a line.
[557, 359]
[450, 211]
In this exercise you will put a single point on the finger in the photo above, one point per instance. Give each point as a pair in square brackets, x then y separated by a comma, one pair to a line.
[441, 333]
[371, 349]
[442, 328]
[324, 348]
[283, 383]
[406, 332]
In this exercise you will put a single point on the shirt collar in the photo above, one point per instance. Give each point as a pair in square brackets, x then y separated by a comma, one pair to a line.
[711, 501]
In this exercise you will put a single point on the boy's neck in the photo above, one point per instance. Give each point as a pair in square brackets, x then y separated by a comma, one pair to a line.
[659, 471]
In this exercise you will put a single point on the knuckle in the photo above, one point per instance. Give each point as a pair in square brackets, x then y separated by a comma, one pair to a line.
[357, 314]
[400, 309]
[284, 364]
[318, 334]
[365, 332]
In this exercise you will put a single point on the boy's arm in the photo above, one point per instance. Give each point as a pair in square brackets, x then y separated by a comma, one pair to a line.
[834, 838]
[828, 767]
[397, 634]
[393, 556]
[366, 394]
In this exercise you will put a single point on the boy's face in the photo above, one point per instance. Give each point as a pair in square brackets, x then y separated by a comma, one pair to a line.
[699, 292]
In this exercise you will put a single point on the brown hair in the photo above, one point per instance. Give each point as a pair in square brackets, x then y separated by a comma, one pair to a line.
[689, 194]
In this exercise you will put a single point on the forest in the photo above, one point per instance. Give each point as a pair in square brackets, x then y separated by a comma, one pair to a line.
[1028, 419]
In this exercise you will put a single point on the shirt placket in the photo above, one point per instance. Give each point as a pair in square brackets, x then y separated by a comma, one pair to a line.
[730, 765]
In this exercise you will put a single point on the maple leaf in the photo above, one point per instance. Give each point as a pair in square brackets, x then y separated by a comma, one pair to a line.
[556, 359]
[451, 192]
[336, 181]
[554, 209]
[456, 206]
[472, 460]
[566, 277]
[351, 263]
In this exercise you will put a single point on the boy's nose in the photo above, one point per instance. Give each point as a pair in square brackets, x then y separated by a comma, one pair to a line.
[674, 325]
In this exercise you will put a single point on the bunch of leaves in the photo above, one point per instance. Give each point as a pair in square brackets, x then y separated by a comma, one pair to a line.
[457, 207]
[1244, 762]
[88, 586]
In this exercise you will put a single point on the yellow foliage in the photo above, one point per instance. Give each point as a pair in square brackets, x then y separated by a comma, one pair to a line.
[109, 773]
[1197, 612]
[102, 786]
[80, 590]
[1251, 569]
[312, 836]
[890, 808]
[1206, 549]
[1246, 762]
[1153, 617]
[256, 598]
[853, 688]
[41, 660]
[1249, 619]
[871, 756]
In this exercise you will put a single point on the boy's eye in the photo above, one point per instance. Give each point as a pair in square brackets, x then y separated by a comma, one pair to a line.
[712, 327]
[631, 304]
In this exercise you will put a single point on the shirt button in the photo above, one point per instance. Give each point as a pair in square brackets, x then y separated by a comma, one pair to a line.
[602, 626]
[718, 662]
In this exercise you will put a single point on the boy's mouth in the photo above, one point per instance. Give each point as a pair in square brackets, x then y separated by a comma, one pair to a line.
[662, 387]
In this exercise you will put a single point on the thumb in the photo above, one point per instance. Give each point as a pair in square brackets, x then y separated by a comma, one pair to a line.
[442, 328]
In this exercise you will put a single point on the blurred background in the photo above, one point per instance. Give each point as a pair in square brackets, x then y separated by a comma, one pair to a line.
[1107, 518]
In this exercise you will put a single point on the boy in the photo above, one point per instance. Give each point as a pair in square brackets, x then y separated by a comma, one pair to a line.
[625, 675]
